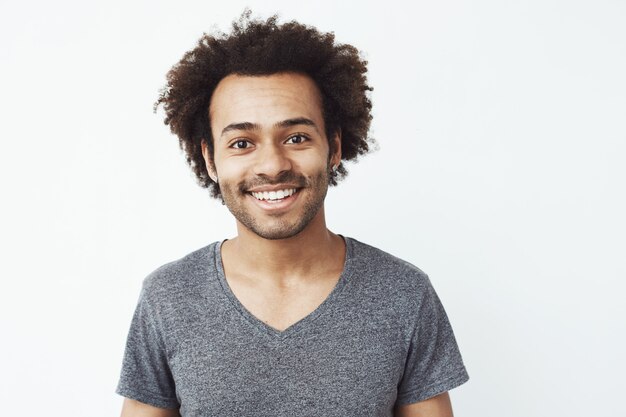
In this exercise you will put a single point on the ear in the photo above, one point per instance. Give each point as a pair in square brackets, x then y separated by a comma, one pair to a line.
[335, 157]
[208, 162]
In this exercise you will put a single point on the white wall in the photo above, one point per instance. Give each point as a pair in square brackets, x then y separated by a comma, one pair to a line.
[500, 173]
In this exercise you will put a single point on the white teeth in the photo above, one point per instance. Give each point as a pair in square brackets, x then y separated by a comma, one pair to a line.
[274, 195]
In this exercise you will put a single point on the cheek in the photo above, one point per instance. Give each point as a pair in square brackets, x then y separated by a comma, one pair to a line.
[231, 169]
[312, 161]
[236, 169]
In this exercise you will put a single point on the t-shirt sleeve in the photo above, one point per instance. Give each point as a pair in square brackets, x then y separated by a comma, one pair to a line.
[434, 364]
[146, 375]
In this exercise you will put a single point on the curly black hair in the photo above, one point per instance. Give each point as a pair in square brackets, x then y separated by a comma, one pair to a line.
[257, 47]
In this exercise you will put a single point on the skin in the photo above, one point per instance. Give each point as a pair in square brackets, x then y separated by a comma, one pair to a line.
[273, 265]
[133, 408]
[268, 134]
[438, 406]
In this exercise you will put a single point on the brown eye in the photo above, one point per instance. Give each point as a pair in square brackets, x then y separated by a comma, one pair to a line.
[240, 144]
[296, 139]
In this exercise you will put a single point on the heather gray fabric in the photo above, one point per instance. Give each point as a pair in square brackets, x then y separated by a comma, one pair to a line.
[380, 339]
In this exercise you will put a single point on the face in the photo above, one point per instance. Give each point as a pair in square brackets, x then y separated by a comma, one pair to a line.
[271, 155]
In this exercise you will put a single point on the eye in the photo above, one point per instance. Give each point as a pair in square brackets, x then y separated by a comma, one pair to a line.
[240, 144]
[297, 139]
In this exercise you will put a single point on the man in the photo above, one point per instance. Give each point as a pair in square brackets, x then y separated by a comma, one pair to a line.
[287, 318]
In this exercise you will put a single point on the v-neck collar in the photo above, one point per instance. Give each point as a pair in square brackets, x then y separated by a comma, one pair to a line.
[302, 323]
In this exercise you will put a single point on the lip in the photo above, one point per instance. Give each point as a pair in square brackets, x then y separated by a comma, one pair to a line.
[275, 208]
[276, 187]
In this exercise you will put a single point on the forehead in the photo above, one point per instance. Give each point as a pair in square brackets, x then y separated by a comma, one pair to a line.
[265, 99]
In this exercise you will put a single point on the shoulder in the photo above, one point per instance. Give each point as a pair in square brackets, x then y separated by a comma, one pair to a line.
[387, 270]
[181, 275]
[381, 261]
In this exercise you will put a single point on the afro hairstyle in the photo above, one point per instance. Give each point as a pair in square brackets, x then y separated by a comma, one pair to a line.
[265, 47]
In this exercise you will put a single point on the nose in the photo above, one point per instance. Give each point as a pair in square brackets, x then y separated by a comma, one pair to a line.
[271, 160]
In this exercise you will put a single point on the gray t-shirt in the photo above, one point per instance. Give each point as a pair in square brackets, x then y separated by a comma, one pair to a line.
[381, 339]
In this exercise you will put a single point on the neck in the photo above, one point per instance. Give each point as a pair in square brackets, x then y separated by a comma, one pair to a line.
[300, 256]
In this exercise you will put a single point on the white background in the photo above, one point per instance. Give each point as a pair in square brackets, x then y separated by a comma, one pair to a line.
[500, 173]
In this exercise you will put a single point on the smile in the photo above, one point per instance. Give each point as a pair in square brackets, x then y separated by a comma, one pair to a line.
[274, 196]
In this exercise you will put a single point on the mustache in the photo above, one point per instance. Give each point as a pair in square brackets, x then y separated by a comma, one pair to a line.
[287, 177]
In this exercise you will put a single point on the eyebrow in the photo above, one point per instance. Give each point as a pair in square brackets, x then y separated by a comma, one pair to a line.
[297, 121]
[240, 126]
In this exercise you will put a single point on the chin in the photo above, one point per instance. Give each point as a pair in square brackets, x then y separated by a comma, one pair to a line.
[277, 233]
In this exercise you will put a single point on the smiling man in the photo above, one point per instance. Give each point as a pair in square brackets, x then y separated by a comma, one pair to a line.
[287, 318]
